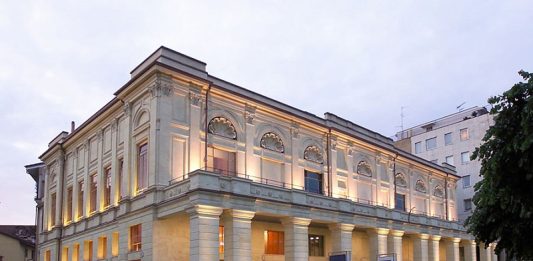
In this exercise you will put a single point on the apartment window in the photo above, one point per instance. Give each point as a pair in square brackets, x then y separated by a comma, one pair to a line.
[449, 159]
[316, 245]
[465, 157]
[221, 161]
[418, 147]
[102, 247]
[466, 181]
[399, 202]
[431, 143]
[448, 138]
[135, 238]
[120, 178]
[107, 187]
[68, 216]
[463, 134]
[53, 209]
[468, 204]
[313, 182]
[274, 243]
[142, 167]
[80, 199]
[221, 241]
[93, 190]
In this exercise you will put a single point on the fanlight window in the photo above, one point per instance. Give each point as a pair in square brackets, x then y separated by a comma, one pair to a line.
[271, 141]
[400, 180]
[420, 186]
[363, 168]
[222, 127]
[314, 154]
[438, 192]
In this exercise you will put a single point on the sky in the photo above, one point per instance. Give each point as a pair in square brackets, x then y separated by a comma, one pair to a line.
[362, 60]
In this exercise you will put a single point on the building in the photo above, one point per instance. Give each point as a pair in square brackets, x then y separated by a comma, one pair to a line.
[452, 139]
[181, 165]
[17, 242]
[38, 172]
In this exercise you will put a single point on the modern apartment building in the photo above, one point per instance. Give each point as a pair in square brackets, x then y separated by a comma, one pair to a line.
[181, 165]
[452, 139]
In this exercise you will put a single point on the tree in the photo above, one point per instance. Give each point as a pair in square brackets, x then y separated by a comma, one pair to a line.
[504, 197]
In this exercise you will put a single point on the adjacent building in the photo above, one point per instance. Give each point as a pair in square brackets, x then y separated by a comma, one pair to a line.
[182, 165]
[17, 242]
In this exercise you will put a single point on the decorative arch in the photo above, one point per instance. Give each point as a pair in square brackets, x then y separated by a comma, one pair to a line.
[400, 180]
[420, 186]
[272, 141]
[438, 191]
[314, 154]
[363, 168]
[142, 116]
[223, 127]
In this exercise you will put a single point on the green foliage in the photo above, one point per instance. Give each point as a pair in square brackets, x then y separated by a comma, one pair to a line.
[504, 198]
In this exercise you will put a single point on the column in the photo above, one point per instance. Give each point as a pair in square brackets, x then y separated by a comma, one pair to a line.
[204, 223]
[484, 253]
[296, 238]
[434, 245]
[352, 185]
[252, 169]
[127, 185]
[470, 250]
[420, 243]
[238, 235]
[341, 237]
[452, 249]
[395, 243]
[378, 242]
[195, 144]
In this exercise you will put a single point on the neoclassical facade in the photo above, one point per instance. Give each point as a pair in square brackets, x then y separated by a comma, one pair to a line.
[181, 165]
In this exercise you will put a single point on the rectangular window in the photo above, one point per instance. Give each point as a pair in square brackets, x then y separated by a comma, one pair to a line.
[114, 244]
[88, 250]
[135, 238]
[274, 243]
[448, 138]
[53, 210]
[316, 245]
[120, 178]
[93, 192]
[449, 159]
[80, 199]
[107, 187]
[418, 147]
[64, 254]
[466, 181]
[399, 202]
[221, 161]
[102, 247]
[142, 167]
[68, 216]
[431, 143]
[75, 252]
[463, 133]
[313, 182]
[465, 157]
[47, 255]
[468, 204]
[221, 241]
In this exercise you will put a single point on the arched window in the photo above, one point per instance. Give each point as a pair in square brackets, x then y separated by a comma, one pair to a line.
[400, 180]
[438, 191]
[271, 141]
[314, 154]
[363, 168]
[222, 127]
[420, 186]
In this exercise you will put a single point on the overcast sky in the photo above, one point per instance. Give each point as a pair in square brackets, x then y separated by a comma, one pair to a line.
[361, 60]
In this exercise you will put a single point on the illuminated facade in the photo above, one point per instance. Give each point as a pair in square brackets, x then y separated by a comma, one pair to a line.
[181, 165]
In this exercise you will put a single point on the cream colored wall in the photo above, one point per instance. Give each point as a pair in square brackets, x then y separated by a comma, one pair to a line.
[407, 248]
[360, 246]
[11, 249]
[171, 238]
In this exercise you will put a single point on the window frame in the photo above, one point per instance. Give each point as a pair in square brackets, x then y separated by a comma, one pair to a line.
[277, 247]
[463, 160]
[80, 203]
[469, 181]
[320, 180]
[93, 193]
[398, 196]
[461, 132]
[427, 143]
[135, 242]
[107, 187]
[448, 141]
[230, 160]
[452, 161]
[69, 213]
[320, 245]
[469, 200]
[418, 147]
[141, 182]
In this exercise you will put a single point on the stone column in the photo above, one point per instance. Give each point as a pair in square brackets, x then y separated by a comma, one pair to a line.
[420, 243]
[296, 238]
[452, 249]
[341, 237]
[493, 252]
[470, 250]
[204, 241]
[484, 253]
[378, 242]
[433, 252]
[395, 243]
[238, 235]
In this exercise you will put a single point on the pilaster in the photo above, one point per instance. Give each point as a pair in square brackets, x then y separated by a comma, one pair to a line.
[421, 247]
[484, 253]
[452, 249]
[378, 242]
[296, 238]
[470, 250]
[395, 243]
[238, 235]
[341, 237]
[195, 118]
[434, 246]
[204, 224]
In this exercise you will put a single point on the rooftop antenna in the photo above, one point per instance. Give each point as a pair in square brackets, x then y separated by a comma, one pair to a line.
[402, 115]
[460, 107]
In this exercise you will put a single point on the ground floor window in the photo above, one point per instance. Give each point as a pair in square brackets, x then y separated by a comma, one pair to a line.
[313, 182]
[274, 243]
[221, 241]
[316, 245]
[135, 238]
[399, 202]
